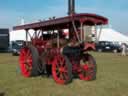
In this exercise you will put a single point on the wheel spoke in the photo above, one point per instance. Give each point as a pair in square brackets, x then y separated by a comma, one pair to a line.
[28, 68]
[61, 76]
[63, 64]
[23, 52]
[29, 61]
[58, 73]
[65, 76]
[88, 71]
[26, 61]
[57, 67]
[22, 61]
[28, 54]
[61, 70]
[65, 70]
[61, 61]
[57, 70]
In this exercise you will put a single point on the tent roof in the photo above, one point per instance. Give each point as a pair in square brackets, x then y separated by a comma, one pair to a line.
[109, 34]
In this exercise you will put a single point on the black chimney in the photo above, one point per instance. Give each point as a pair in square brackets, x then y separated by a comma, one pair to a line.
[71, 7]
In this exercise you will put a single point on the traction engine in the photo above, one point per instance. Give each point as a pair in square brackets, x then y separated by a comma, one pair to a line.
[59, 47]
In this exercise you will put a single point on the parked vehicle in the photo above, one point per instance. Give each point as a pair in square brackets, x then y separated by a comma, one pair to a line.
[16, 46]
[4, 39]
[106, 46]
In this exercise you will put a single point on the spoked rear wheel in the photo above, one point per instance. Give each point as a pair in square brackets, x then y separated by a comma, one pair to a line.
[88, 68]
[29, 61]
[62, 69]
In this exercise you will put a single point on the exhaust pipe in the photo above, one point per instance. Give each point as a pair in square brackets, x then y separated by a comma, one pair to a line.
[71, 7]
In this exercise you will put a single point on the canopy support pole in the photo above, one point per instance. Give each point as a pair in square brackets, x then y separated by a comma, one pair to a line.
[98, 38]
[96, 32]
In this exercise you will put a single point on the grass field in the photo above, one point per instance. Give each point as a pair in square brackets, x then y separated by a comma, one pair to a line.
[112, 79]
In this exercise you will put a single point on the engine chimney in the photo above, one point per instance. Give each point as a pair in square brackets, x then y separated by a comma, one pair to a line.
[71, 7]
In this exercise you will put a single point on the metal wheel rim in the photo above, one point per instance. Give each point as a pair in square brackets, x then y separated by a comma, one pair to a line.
[59, 70]
[87, 70]
[25, 62]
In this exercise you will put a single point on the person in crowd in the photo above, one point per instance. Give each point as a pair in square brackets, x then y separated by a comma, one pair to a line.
[124, 49]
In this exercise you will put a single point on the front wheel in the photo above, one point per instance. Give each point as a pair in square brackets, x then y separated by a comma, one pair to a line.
[62, 69]
[88, 68]
[29, 60]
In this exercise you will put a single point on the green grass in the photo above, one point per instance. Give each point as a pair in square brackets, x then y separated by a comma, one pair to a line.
[112, 79]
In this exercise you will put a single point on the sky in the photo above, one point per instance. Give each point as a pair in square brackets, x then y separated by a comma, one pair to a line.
[12, 11]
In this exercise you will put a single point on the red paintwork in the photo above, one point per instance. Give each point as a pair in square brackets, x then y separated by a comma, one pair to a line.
[59, 64]
[25, 60]
[54, 55]
[62, 23]
[88, 69]
[89, 46]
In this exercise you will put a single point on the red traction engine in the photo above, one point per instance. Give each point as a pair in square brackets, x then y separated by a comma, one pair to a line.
[59, 48]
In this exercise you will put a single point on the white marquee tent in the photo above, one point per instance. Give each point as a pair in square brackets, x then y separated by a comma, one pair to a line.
[17, 35]
[108, 34]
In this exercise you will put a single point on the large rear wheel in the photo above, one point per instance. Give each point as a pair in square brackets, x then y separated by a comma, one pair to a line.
[62, 69]
[88, 68]
[29, 60]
